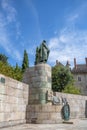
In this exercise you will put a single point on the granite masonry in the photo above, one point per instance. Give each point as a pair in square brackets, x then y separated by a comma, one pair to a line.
[39, 80]
[40, 108]
[32, 102]
[13, 101]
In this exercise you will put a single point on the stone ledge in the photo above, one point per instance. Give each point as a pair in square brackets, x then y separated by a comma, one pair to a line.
[67, 122]
[11, 123]
[71, 121]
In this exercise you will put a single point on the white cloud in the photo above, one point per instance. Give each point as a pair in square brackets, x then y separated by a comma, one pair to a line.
[71, 41]
[54, 42]
[8, 47]
[36, 18]
[10, 11]
[5, 41]
[67, 46]
[73, 17]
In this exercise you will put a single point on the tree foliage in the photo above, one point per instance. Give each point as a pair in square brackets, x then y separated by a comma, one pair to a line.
[8, 70]
[3, 58]
[17, 73]
[25, 63]
[36, 56]
[13, 72]
[61, 76]
[70, 88]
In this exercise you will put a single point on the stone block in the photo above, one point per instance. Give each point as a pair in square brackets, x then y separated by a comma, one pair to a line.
[7, 116]
[28, 121]
[2, 89]
[51, 108]
[25, 94]
[2, 107]
[16, 116]
[12, 99]
[20, 86]
[30, 108]
[38, 108]
[27, 115]
[2, 98]
[21, 108]
[43, 116]
[9, 99]
[47, 121]
[7, 107]
[43, 108]
[58, 108]
[55, 116]
[10, 91]
[1, 117]
[19, 93]
[11, 82]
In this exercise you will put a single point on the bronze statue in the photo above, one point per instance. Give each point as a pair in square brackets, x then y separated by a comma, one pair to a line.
[66, 111]
[42, 53]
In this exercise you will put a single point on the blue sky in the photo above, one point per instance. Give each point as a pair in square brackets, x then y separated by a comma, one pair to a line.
[62, 23]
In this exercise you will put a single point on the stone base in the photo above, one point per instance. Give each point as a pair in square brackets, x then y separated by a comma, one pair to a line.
[67, 122]
[44, 114]
[11, 123]
[71, 121]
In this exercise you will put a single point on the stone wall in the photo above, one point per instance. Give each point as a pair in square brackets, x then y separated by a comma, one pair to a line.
[13, 101]
[40, 109]
[49, 113]
[78, 104]
[20, 103]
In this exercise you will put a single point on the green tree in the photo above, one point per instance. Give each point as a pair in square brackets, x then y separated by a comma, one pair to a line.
[61, 76]
[6, 69]
[36, 56]
[70, 88]
[13, 72]
[17, 73]
[25, 63]
[3, 58]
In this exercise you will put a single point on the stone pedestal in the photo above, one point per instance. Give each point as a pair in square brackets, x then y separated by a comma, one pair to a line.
[40, 108]
[48, 114]
[39, 80]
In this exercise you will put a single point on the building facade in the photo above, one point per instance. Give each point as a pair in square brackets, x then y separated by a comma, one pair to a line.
[80, 75]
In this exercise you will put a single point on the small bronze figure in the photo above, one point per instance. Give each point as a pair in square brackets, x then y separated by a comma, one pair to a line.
[66, 111]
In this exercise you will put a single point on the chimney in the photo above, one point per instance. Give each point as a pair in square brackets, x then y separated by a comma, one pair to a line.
[86, 61]
[75, 63]
[67, 63]
[57, 62]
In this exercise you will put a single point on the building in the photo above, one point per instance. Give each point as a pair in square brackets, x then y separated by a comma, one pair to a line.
[80, 75]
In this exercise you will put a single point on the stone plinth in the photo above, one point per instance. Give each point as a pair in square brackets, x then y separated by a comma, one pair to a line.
[44, 114]
[40, 108]
[39, 80]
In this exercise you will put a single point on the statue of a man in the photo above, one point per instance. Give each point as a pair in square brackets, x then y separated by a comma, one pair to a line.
[42, 54]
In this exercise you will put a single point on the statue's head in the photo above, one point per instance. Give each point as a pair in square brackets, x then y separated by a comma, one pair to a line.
[44, 41]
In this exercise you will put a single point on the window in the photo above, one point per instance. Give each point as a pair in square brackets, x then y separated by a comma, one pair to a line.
[79, 78]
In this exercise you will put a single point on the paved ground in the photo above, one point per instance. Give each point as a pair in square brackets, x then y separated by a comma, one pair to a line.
[78, 125]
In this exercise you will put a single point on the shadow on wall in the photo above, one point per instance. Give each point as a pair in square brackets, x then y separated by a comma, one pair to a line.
[86, 108]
